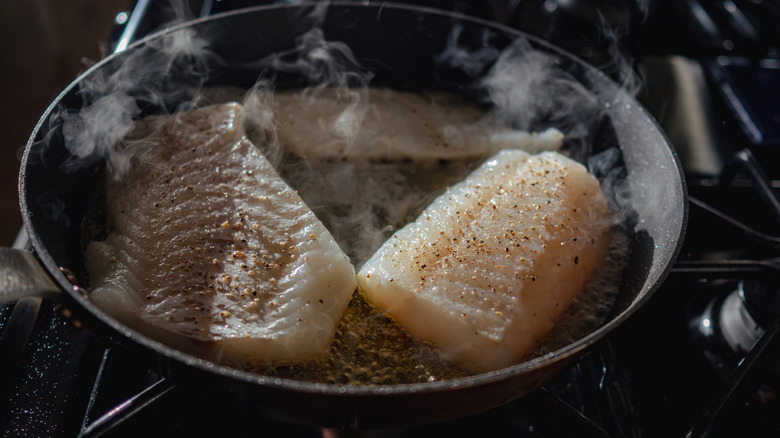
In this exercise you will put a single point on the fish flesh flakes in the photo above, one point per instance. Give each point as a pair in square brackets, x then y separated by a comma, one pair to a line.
[488, 267]
[211, 251]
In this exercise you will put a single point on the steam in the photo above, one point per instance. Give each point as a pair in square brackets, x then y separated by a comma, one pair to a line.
[164, 72]
[97, 129]
[472, 62]
[529, 91]
[621, 66]
[327, 65]
[526, 89]
[611, 174]
[258, 120]
[323, 63]
[361, 200]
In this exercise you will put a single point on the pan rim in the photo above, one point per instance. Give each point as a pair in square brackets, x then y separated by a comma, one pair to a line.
[569, 351]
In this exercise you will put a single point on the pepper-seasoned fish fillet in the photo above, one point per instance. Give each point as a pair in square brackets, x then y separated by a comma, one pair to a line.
[381, 123]
[488, 267]
[211, 251]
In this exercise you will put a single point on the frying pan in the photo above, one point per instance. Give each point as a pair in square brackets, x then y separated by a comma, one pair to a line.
[399, 44]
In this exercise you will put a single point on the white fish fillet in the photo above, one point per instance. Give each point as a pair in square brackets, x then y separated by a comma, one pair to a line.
[380, 123]
[212, 251]
[488, 267]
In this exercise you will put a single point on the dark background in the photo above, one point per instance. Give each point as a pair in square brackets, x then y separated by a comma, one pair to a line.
[44, 44]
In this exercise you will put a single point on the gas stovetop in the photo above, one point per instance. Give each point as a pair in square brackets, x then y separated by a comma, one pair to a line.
[701, 357]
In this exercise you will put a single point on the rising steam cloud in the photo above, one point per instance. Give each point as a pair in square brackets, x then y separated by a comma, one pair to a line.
[527, 89]
[164, 72]
[524, 86]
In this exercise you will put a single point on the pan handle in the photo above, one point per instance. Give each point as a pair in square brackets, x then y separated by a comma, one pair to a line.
[21, 276]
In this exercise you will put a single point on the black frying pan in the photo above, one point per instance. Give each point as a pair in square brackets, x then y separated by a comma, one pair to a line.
[399, 45]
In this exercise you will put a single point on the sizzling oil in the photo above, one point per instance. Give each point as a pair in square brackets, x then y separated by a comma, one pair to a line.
[369, 349]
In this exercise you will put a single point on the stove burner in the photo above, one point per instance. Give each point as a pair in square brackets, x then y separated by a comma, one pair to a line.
[724, 326]
[740, 329]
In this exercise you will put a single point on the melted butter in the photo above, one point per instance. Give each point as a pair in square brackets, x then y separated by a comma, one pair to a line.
[369, 349]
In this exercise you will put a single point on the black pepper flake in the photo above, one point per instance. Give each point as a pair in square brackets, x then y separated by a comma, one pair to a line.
[576, 260]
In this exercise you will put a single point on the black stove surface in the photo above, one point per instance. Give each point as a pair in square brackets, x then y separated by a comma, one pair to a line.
[669, 371]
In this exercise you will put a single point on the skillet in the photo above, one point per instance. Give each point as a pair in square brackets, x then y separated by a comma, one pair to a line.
[399, 45]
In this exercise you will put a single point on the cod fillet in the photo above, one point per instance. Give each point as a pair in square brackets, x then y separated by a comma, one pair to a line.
[210, 251]
[384, 124]
[488, 267]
